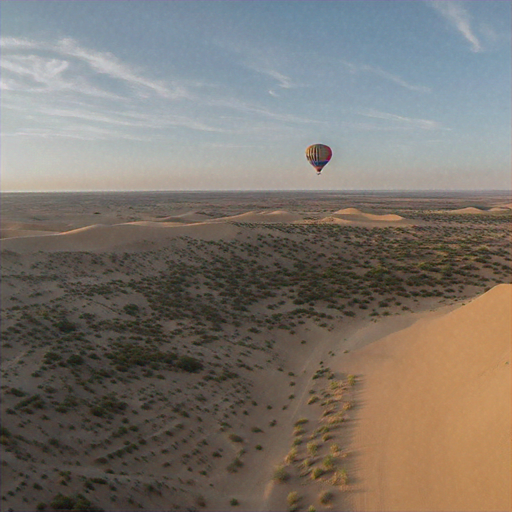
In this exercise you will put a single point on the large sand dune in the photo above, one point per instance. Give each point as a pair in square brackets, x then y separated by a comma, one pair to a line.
[434, 427]
[106, 238]
[278, 216]
[469, 210]
[355, 215]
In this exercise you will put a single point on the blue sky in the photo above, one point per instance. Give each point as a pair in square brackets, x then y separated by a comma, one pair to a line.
[227, 94]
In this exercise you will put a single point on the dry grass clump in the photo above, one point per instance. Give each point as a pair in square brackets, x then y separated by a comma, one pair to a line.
[329, 462]
[280, 474]
[317, 473]
[292, 456]
[340, 477]
[335, 449]
[293, 500]
[312, 448]
[326, 497]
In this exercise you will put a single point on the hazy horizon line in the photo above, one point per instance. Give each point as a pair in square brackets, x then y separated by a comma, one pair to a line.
[252, 191]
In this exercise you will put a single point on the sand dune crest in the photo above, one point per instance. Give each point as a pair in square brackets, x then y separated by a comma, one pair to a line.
[278, 216]
[135, 236]
[356, 215]
[435, 429]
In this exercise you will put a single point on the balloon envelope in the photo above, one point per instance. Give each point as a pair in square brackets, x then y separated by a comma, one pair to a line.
[318, 155]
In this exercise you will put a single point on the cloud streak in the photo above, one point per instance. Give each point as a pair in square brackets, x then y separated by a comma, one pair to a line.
[404, 122]
[48, 81]
[39, 67]
[457, 16]
[364, 68]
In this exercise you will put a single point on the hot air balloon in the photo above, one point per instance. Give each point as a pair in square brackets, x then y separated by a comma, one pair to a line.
[318, 155]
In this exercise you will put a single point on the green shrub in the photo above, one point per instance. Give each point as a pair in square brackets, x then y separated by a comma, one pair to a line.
[280, 474]
[317, 473]
[65, 326]
[326, 497]
[189, 364]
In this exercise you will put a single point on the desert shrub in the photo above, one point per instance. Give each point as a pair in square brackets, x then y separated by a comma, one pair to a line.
[108, 405]
[335, 449]
[16, 392]
[65, 326]
[293, 499]
[34, 401]
[75, 360]
[189, 364]
[326, 497]
[233, 467]
[235, 438]
[51, 357]
[280, 474]
[328, 462]
[340, 477]
[291, 457]
[131, 309]
[317, 473]
[75, 503]
[312, 448]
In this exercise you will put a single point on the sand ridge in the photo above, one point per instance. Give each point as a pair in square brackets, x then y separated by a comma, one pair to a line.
[430, 436]
[109, 237]
[357, 215]
[278, 216]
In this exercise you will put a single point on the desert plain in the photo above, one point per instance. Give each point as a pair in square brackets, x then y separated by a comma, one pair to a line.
[264, 351]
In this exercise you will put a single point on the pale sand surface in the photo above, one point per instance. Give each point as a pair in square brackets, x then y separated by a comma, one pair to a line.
[434, 426]
[354, 213]
[120, 236]
[263, 217]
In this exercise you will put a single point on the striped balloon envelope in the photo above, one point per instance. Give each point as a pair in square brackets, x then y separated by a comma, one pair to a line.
[318, 155]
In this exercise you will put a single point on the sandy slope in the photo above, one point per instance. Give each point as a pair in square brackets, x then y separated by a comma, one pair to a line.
[434, 426]
[354, 214]
[280, 216]
[106, 238]
[470, 210]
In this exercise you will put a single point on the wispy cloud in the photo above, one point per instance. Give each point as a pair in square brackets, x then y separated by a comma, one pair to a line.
[266, 61]
[454, 12]
[77, 132]
[364, 68]
[45, 70]
[50, 85]
[404, 122]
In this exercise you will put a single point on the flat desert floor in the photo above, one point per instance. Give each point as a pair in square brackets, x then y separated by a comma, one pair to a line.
[256, 351]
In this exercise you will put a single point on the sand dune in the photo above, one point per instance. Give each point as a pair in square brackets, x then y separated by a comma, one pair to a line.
[14, 233]
[134, 235]
[469, 210]
[355, 215]
[434, 428]
[184, 218]
[329, 220]
[349, 211]
[13, 229]
[278, 216]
